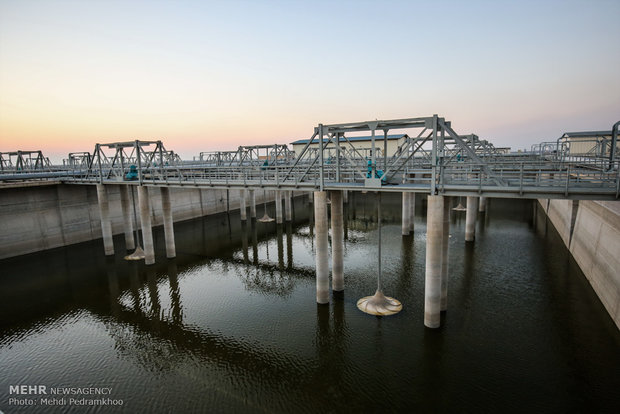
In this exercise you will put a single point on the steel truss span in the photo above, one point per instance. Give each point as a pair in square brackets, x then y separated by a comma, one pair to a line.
[433, 158]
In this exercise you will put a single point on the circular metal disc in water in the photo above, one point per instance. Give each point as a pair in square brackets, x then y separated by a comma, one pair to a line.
[459, 208]
[138, 254]
[265, 219]
[379, 304]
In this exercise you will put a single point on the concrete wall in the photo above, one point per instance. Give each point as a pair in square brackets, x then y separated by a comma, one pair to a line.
[35, 218]
[594, 242]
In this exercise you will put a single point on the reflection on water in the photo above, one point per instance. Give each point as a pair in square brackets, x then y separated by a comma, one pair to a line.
[222, 328]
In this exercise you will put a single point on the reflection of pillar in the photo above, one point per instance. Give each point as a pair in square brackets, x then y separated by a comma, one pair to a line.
[287, 205]
[252, 204]
[145, 220]
[127, 223]
[171, 250]
[311, 197]
[244, 241]
[337, 241]
[345, 196]
[280, 247]
[411, 210]
[278, 206]
[242, 205]
[406, 214]
[113, 287]
[151, 282]
[432, 284]
[254, 243]
[134, 287]
[444, 253]
[322, 266]
[106, 225]
[175, 295]
[470, 218]
[482, 204]
[289, 245]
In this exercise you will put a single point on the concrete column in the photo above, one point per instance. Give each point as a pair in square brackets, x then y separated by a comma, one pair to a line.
[278, 206]
[337, 242]
[411, 210]
[168, 223]
[482, 204]
[287, 205]
[321, 257]
[470, 218]
[145, 220]
[130, 243]
[444, 253]
[242, 205]
[432, 284]
[406, 215]
[345, 196]
[252, 204]
[106, 224]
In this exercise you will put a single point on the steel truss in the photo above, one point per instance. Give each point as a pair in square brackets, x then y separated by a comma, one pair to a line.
[433, 159]
[23, 162]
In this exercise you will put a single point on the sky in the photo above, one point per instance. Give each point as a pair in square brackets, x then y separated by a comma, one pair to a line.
[205, 76]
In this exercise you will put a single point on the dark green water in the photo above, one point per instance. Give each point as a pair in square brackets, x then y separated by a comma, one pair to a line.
[232, 325]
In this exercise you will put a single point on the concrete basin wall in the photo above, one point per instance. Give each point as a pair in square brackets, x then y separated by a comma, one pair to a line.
[34, 218]
[594, 243]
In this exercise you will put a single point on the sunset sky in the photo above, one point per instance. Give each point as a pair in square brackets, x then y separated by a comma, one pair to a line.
[205, 76]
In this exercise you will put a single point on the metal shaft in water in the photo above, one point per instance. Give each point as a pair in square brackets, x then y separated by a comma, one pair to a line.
[138, 254]
[379, 304]
[265, 218]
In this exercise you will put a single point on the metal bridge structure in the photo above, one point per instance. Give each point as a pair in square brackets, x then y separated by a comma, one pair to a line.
[23, 161]
[433, 159]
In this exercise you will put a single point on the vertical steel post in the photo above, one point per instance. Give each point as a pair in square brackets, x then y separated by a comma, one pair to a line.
[434, 158]
[385, 147]
[137, 150]
[338, 157]
[322, 166]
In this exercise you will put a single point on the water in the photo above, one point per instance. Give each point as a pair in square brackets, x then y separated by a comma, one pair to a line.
[232, 325]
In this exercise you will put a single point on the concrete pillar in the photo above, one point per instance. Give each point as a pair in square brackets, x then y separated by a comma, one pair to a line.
[337, 242]
[278, 206]
[171, 250]
[444, 253]
[482, 204]
[432, 284]
[130, 243]
[411, 210]
[242, 205]
[145, 220]
[252, 204]
[287, 205]
[406, 215]
[470, 218]
[106, 224]
[321, 257]
[345, 196]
